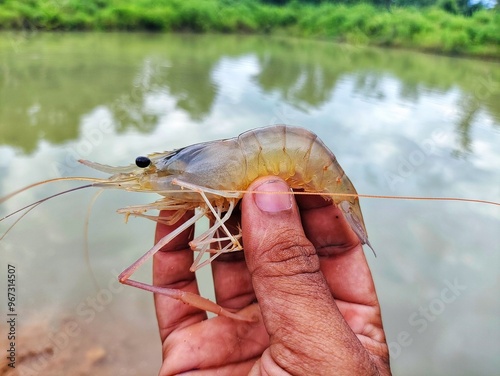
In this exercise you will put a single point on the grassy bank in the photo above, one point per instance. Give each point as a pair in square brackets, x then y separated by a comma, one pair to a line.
[428, 29]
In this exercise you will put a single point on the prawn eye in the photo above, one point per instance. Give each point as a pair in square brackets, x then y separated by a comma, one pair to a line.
[142, 162]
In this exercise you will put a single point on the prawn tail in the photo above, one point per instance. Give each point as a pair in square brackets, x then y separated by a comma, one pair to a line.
[356, 223]
[369, 245]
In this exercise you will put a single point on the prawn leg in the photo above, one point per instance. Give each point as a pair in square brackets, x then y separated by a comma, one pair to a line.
[232, 198]
[127, 273]
[193, 300]
[171, 220]
[217, 252]
[204, 240]
[208, 237]
[139, 210]
[199, 189]
[183, 296]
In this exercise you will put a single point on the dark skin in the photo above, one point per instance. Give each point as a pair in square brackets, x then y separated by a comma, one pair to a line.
[317, 310]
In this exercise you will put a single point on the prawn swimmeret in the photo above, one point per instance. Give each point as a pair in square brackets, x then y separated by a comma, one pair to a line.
[212, 177]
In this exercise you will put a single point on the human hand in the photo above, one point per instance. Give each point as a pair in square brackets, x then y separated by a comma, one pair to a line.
[318, 312]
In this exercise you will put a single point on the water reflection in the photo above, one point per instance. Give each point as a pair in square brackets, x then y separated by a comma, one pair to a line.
[51, 84]
[396, 121]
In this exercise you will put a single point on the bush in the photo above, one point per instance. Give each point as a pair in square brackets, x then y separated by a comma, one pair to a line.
[455, 42]
[9, 19]
[449, 6]
[439, 28]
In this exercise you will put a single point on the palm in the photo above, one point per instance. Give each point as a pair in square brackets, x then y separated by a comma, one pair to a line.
[191, 342]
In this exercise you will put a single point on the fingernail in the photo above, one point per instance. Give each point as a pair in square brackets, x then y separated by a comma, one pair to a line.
[273, 203]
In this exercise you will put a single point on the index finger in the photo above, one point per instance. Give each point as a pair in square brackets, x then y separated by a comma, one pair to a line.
[342, 260]
[171, 270]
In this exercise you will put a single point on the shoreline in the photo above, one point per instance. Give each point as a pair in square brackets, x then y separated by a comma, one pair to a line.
[428, 30]
[488, 58]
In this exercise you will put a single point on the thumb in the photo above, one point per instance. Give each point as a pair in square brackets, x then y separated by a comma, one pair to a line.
[299, 312]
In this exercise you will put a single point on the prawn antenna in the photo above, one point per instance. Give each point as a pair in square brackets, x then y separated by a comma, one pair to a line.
[431, 198]
[36, 203]
[477, 201]
[95, 182]
[17, 220]
[5, 198]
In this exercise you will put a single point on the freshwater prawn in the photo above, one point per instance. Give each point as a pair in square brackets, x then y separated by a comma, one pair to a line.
[212, 177]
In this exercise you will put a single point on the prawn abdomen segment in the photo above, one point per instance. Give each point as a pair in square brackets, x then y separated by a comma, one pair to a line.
[296, 155]
[300, 158]
[291, 153]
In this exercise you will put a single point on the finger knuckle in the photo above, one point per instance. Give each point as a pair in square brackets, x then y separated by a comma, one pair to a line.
[288, 253]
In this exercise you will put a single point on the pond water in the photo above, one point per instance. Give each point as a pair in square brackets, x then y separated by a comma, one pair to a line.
[400, 123]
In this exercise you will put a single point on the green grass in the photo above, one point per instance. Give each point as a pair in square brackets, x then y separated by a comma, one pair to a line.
[430, 29]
